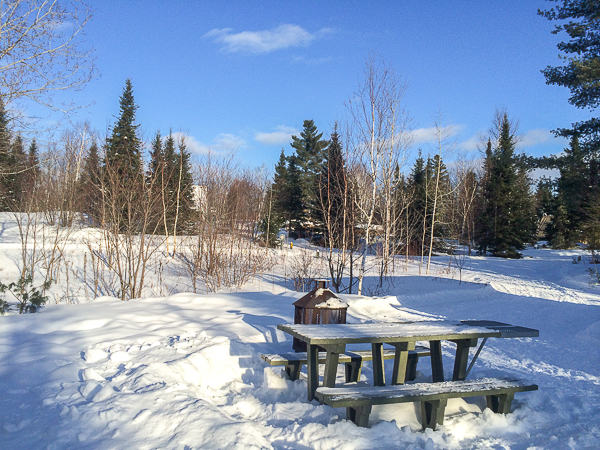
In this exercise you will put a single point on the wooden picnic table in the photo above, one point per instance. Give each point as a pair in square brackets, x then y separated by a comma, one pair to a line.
[402, 336]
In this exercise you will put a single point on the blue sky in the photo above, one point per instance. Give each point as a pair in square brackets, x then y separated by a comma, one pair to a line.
[243, 76]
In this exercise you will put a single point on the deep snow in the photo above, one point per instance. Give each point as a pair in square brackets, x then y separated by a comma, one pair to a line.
[184, 371]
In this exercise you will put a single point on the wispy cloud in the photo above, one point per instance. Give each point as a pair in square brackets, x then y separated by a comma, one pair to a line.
[283, 135]
[471, 144]
[421, 135]
[535, 137]
[222, 143]
[530, 139]
[265, 41]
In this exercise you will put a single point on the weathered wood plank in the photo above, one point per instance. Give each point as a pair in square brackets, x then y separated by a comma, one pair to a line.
[407, 393]
[283, 359]
[432, 396]
[355, 333]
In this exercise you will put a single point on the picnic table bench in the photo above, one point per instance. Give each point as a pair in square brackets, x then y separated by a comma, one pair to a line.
[353, 360]
[433, 397]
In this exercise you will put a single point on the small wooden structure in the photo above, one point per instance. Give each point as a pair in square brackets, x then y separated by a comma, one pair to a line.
[319, 306]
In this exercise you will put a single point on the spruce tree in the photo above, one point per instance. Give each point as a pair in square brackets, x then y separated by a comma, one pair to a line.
[280, 187]
[184, 188]
[311, 153]
[5, 158]
[508, 220]
[156, 158]
[91, 185]
[15, 180]
[124, 147]
[417, 213]
[334, 199]
[295, 210]
[32, 174]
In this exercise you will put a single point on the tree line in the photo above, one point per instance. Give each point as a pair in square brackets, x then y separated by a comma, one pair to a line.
[352, 192]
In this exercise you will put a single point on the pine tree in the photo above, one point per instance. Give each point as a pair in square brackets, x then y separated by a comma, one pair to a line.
[124, 147]
[280, 187]
[580, 74]
[508, 219]
[311, 154]
[572, 185]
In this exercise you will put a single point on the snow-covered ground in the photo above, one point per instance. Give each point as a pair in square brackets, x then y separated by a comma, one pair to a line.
[184, 371]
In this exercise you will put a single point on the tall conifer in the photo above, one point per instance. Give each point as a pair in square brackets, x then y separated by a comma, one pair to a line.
[311, 154]
[124, 147]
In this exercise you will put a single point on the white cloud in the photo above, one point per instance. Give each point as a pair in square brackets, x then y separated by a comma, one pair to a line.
[222, 143]
[529, 139]
[471, 144]
[227, 142]
[535, 137]
[283, 135]
[284, 36]
[421, 135]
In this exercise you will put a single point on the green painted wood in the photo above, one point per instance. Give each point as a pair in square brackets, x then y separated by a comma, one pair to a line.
[384, 332]
[353, 371]
[378, 367]
[462, 358]
[437, 364]
[331, 363]
[422, 392]
[283, 359]
[432, 413]
[312, 365]
[401, 361]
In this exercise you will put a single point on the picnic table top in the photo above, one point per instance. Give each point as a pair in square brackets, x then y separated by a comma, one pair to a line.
[403, 331]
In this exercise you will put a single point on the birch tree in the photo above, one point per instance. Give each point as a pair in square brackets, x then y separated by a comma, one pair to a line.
[379, 138]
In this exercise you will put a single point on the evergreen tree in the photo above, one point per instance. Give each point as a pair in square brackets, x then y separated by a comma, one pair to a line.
[15, 180]
[443, 188]
[310, 156]
[124, 147]
[272, 220]
[156, 157]
[32, 174]
[280, 187]
[184, 189]
[545, 205]
[572, 186]
[591, 208]
[91, 185]
[508, 218]
[295, 205]
[5, 158]
[417, 212]
[581, 73]
[334, 196]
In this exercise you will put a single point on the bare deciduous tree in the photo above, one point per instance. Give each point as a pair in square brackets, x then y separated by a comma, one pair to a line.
[380, 136]
[42, 50]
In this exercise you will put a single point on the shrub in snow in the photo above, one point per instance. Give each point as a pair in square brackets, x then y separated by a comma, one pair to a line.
[28, 297]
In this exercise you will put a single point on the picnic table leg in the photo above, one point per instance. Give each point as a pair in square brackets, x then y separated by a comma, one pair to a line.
[331, 363]
[378, 369]
[437, 366]
[462, 358]
[400, 361]
[312, 367]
